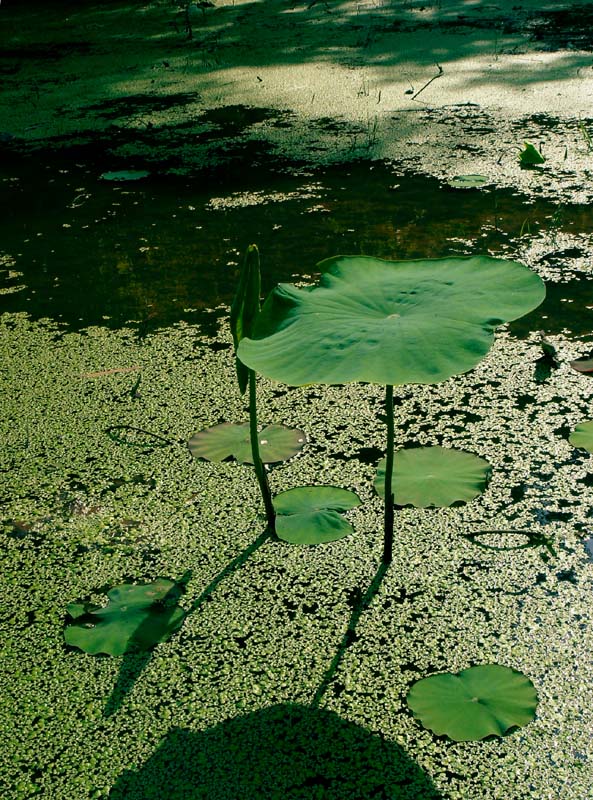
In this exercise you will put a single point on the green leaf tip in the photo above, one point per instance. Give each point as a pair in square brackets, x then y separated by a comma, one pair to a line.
[486, 700]
[582, 436]
[530, 156]
[245, 307]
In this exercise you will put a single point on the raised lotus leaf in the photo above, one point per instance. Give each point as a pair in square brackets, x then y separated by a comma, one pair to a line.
[582, 436]
[136, 618]
[276, 443]
[313, 514]
[434, 476]
[388, 322]
[477, 702]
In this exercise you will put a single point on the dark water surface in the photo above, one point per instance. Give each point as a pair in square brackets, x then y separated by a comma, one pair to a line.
[158, 250]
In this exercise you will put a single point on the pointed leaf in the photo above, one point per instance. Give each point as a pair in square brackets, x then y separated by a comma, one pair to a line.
[312, 514]
[389, 322]
[276, 443]
[475, 703]
[137, 617]
[582, 436]
[434, 476]
[245, 307]
[530, 156]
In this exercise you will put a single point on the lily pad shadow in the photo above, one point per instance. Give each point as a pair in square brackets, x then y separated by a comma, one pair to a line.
[286, 751]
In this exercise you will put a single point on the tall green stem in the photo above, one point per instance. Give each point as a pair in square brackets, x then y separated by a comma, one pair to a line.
[260, 471]
[388, 539]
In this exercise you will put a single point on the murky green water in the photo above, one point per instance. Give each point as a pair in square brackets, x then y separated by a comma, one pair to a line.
[167, 248]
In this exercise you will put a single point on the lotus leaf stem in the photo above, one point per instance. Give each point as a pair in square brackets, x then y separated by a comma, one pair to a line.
[260, 471]
[388, 539]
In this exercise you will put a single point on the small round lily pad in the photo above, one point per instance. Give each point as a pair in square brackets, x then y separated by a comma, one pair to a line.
[583, 365]
[468, 181]
[312, 514]
[477, 702]
[125, 175]
[276, 443]
[434, 476]
[137, 617]
[582, 436]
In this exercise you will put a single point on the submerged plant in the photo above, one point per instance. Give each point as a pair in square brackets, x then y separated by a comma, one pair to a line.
[137, 617]
[388, 322]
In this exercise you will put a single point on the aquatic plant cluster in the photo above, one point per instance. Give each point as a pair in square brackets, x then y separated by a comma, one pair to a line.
[375, 321]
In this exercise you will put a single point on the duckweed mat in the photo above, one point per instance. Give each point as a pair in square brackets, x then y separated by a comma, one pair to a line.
[263, 693]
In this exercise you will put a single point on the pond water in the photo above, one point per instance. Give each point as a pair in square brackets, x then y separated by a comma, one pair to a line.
[167, 248]
[99, 488]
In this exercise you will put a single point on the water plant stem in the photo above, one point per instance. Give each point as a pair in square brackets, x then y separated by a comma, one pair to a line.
[257, 462]
[388, 539]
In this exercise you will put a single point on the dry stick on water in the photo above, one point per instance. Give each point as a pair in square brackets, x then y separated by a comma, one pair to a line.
[434, 77]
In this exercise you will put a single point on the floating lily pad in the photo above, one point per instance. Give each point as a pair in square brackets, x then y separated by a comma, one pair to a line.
[312, 514]
[530, 156]
[276, 443]
[468, 181]
[434, 476]
[388, 322]
[584, 365]
[125, 175]
[481, 701]
[582, 436]
[137, 617]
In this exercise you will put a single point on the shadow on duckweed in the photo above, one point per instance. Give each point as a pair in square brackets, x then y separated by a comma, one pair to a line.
[286, 751]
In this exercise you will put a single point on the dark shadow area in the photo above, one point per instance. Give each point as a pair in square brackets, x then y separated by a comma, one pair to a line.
[285, 752]
[133, 664]
[361, 604]
[141, 103]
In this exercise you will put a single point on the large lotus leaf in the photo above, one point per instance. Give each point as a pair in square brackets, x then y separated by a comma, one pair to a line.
[276, 443]
[434, 476]
[388, 322]
[475, 703]
[245, 307]
[312, 514]
[582, 436]
[137, 617]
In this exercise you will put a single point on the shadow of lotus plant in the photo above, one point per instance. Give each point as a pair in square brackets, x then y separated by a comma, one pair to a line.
[393, 323]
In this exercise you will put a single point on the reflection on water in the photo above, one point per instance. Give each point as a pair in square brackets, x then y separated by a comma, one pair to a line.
[167, 248]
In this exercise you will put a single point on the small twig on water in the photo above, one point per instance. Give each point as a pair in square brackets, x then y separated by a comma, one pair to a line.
[434, 77]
